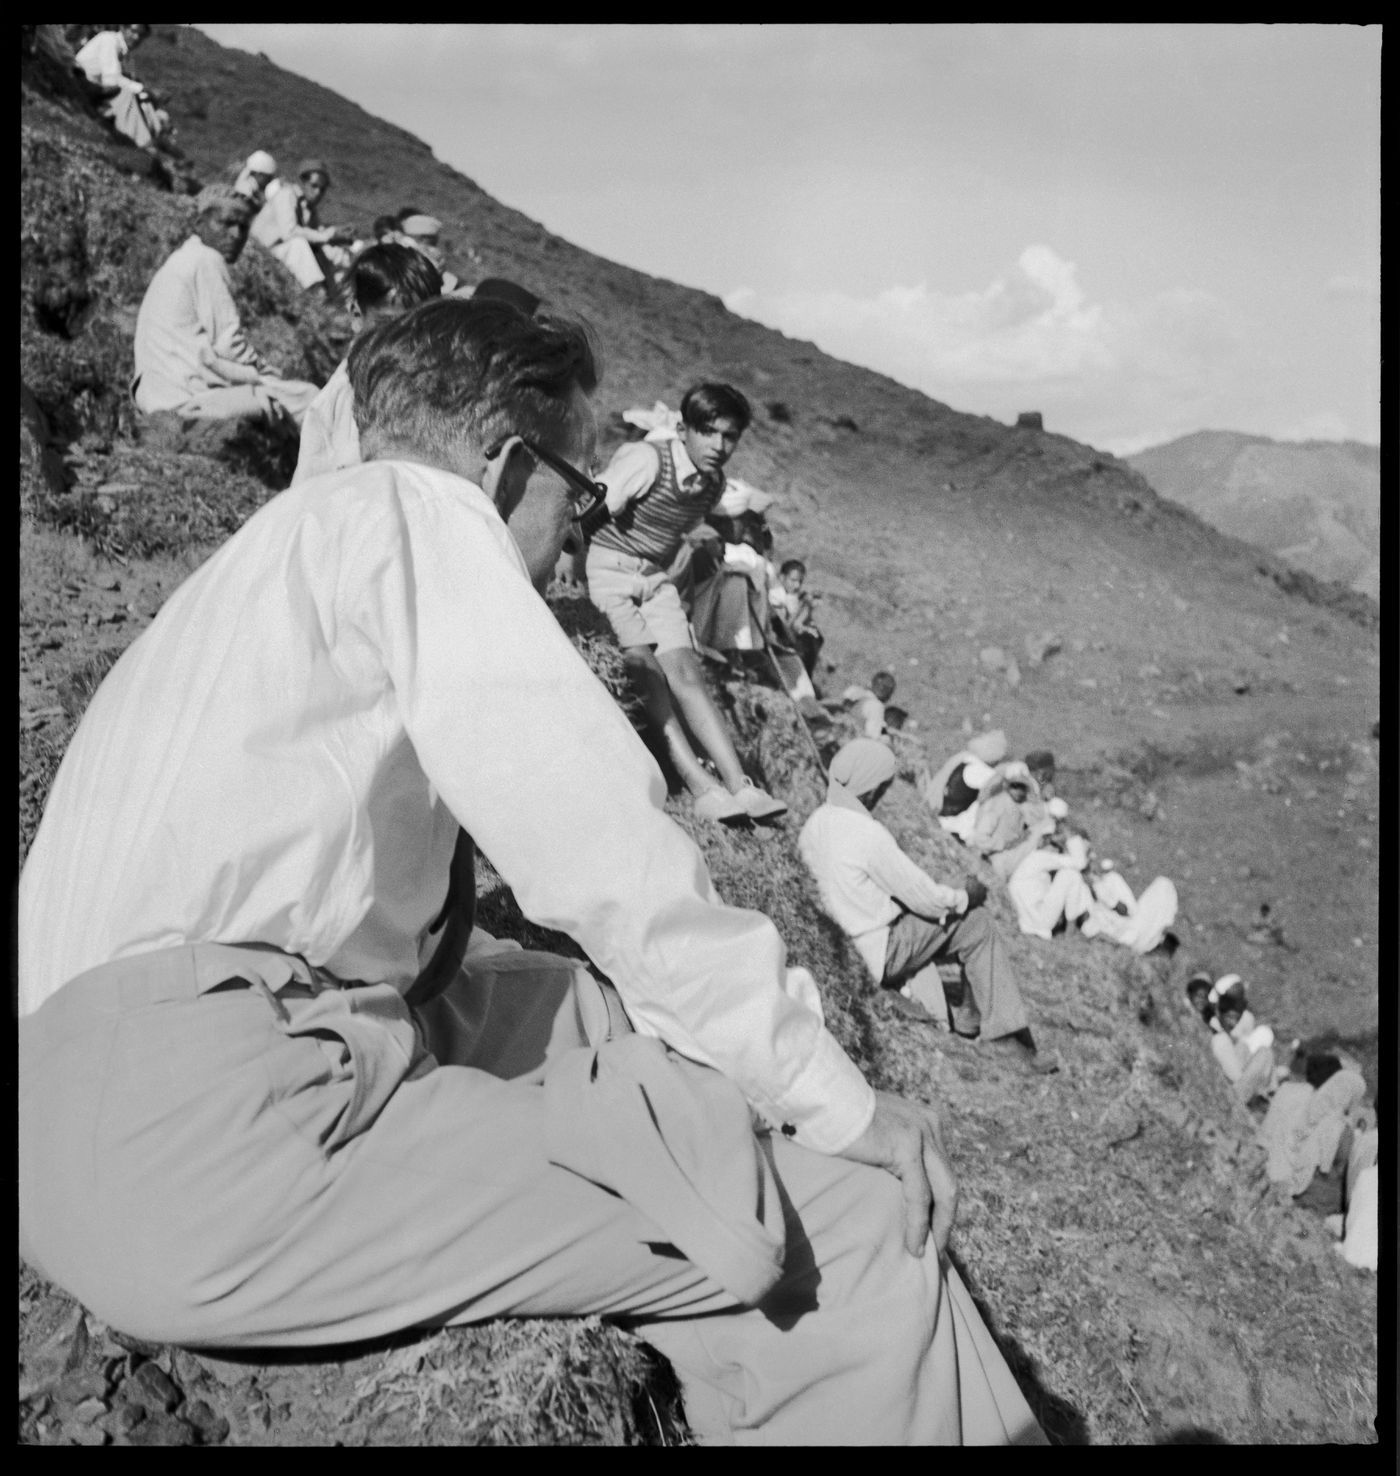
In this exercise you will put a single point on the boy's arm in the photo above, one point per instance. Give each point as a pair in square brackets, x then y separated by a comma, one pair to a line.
[631, 472]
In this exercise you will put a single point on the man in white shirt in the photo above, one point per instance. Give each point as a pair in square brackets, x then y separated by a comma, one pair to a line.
[387, 279]
[899, 918]
[191, 354]
[129, 105]
[237, 1127]
[289, 225]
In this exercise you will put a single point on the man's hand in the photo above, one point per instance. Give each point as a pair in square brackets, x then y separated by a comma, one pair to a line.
[342, 236]
[976, 892]
[905, 1138]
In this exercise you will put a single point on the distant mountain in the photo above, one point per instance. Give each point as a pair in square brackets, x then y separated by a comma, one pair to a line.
[1314, 504]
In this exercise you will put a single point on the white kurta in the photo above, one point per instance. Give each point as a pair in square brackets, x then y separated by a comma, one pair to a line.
[865, 880]
[330, 439]
[188, 334]
[283, 756]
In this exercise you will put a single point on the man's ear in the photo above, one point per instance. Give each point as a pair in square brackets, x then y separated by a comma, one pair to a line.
[506, 476]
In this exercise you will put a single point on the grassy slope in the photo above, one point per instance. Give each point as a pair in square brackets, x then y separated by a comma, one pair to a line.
[1113, 1221]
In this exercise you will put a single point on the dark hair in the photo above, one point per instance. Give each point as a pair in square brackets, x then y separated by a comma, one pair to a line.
[1320, 1066]
[387, 271]
[1042, 761]
[895, 718]
[883, 679]
[384, 225]
[706, 403]
[497, 289]
[790, 564]
[454, 370]
[1197, 986]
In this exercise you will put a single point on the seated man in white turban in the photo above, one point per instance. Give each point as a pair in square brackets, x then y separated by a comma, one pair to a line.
[255, 178]
[900, 918]
[191, 355]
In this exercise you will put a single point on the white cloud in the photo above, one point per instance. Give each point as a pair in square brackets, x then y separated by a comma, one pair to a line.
[1032, 336]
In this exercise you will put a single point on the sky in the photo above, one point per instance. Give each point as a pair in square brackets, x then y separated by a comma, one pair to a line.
[1140, 230]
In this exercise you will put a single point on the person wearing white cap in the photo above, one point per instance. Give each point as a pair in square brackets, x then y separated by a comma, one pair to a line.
[424, 233]
[899, 918]
[191, 355]
[289, 225]
[258, 172]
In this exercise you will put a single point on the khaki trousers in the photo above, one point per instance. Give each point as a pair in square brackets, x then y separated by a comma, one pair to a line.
[974, 941]
[198, 1170]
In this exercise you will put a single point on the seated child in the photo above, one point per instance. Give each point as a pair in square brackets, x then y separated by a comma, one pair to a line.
[868, 703]
[1242, 1047]
[793, 612]
[1010, 821]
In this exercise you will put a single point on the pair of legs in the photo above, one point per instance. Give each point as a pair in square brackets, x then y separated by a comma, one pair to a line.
[666, 681]
[644, 609]
[196, 1171]
[975, 942]
[134, 117]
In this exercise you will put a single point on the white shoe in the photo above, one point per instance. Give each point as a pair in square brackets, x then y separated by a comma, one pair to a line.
[757, 803]
[718, 804]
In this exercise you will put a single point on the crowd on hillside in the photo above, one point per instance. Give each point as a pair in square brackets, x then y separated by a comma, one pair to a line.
[327, 1105]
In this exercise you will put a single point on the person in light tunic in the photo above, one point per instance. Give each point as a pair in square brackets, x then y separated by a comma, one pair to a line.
[387, 279]
[256, 1104]
[130, 107]
[191, 354]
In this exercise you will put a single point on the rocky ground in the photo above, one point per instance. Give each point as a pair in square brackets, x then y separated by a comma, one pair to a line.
[1214, 720]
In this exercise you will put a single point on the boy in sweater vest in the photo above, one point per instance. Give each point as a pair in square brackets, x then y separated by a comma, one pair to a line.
[658, 491]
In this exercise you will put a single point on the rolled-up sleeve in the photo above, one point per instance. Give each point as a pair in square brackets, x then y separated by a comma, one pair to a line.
[907, 883]
[631, 471]
[536, 761]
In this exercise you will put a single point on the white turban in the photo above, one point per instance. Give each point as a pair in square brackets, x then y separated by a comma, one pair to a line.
[862, 766]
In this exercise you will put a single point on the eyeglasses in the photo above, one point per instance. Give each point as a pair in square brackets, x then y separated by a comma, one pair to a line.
[587, 497]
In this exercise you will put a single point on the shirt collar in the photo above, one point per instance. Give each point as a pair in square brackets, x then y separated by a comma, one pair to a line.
[685, 467]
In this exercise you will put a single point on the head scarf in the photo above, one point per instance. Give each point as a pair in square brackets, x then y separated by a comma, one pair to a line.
[1057, 809]
[860, 767]
[261, 162]
[421, 225]
[1013, 773]
[990, 746]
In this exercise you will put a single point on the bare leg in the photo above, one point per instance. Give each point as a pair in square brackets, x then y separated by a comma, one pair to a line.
[649, 679]
[687, 684]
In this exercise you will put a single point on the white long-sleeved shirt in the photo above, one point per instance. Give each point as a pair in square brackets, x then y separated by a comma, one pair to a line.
[188, 334]
[101, 59]
[283, 756]
[330, 439]
[864, 880]
[635, 465]
[286, 216]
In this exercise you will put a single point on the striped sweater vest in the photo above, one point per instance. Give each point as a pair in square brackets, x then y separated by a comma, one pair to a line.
[652, 525]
